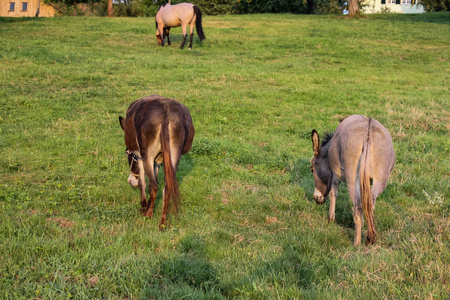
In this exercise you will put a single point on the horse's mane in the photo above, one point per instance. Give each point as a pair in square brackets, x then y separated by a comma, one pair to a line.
[326, 138]
[164, 4]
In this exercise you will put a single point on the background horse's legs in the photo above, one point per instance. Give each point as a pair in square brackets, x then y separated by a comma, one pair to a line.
[191, 29]
[183, 28]
[162, 33]
[168, 39]
[190, 44]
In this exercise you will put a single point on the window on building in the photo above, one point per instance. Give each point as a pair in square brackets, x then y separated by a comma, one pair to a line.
[12, 6]
[25, 6]
[406, 1]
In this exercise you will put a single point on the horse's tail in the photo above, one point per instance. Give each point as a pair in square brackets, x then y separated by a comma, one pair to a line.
[198, 23]
[171, 190]
[366, 193]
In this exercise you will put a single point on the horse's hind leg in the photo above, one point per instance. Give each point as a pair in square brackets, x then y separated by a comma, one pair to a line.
[183, 28]
[191, 28]
[167, 34]
[162, 33]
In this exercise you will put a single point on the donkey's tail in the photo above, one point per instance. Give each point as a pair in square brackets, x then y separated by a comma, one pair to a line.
[171, 190]
[198, 23]
[366, 193]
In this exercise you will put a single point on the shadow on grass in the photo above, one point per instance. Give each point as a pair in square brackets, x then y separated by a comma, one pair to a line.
[176, 39]
[436, 17]
[186, 275]
[20, 20]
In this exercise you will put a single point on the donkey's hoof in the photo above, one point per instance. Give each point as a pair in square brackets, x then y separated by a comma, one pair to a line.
[162, 226]
[370, 241]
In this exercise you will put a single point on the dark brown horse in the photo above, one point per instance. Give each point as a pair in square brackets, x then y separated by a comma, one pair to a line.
[178, 15]
[359, 152]
[157, 131]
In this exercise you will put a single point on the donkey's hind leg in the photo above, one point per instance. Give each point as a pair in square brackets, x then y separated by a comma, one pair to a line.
[165, 208]
[377, 188]
[354, 190]
[149, 168]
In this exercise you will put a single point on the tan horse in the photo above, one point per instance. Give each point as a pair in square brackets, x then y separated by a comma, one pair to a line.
[157, 130]
[178, 15]
[359, 152]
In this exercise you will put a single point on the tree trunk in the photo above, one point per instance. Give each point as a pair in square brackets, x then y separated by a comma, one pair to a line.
[353, 7]
[74, 9]
[110, 8]
[38, 8]
[56, 7]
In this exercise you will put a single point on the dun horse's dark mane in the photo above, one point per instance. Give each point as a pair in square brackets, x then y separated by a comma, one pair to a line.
[326, 138]
[164, 4]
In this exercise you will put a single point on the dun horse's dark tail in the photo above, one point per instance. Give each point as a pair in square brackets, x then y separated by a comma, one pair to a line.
[366, 193]
[198, 23]
[171, 190]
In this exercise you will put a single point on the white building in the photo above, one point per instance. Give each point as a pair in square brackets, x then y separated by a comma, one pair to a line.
[392, 6]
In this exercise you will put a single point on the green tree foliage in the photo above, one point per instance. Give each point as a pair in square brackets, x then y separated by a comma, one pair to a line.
[141, 8]
[214, 7]
[73, 7]
[271, 6]
[329, 7]
[147, 8]
[435, 5]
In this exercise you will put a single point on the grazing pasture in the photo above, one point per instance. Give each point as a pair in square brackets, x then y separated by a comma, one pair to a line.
[248, 227]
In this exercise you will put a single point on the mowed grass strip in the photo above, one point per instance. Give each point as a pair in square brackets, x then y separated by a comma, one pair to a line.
[248, 227]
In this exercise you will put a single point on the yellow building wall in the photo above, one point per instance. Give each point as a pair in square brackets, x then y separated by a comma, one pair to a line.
[32, 5]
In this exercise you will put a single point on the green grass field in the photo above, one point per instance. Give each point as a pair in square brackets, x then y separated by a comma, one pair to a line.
[248, 228]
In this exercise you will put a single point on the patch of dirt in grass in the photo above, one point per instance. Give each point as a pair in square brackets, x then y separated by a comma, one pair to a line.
[63, 222]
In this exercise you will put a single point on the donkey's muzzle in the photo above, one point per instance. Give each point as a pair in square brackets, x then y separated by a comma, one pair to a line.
[320, 199]
[133, 181]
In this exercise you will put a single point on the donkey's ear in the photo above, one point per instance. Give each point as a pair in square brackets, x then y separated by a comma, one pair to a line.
[316, 142]
[121, 122]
